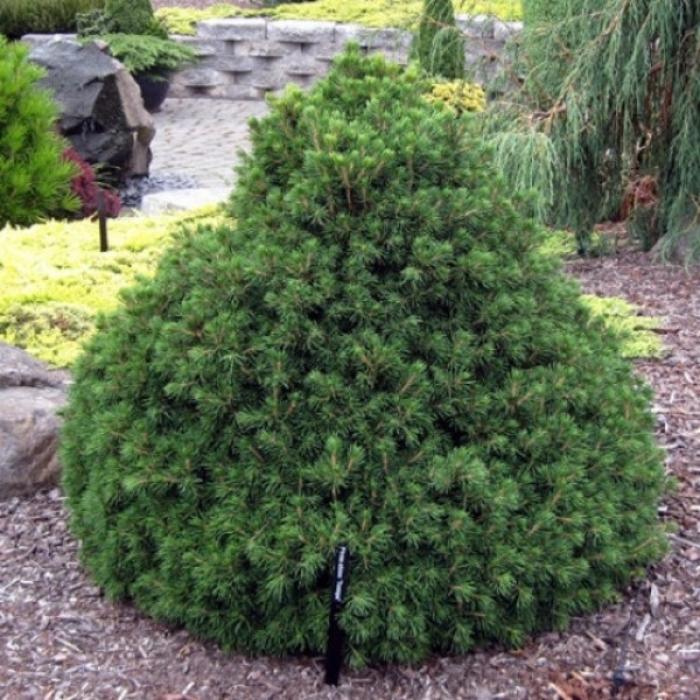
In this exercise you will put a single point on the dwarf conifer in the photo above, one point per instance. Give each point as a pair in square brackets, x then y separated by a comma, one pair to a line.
[375, 354]
[131, 16]
[34, 178]
[439, 45]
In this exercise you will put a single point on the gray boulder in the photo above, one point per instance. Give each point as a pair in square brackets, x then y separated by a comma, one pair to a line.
[682, 249]
[30, 397]
[102, 113]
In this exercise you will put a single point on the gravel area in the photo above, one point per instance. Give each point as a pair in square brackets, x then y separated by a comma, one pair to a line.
[132, 191]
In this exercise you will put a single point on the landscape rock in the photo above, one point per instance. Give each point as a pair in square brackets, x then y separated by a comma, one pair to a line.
[681, 249]
[30, 397]
[102, 112]
[170, 201]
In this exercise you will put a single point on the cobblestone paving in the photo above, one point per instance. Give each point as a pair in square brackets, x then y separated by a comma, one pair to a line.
[201, 137]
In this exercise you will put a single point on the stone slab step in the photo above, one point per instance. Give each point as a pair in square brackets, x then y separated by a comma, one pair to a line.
[180, 200]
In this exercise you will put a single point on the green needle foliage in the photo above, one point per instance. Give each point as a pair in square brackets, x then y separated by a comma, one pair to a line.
[439, 45]
[131, 16]
[19, 17]
[619, 122]
[141, 53]
[553, 33]
[374, 354]
[128, 17]
[34, 178]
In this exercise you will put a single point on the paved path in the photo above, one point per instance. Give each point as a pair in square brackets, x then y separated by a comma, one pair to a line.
[200, 137]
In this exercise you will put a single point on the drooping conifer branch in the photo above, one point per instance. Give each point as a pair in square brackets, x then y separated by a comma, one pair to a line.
[615, 89]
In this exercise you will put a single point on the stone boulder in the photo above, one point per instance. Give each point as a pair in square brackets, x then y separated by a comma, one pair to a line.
[102, 113]
[682, 249]
[30, 398]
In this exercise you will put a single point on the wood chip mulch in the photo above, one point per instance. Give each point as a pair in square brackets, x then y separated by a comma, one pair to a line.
[61, 640]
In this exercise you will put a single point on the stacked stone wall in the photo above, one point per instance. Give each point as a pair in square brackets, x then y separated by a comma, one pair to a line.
[249, 58]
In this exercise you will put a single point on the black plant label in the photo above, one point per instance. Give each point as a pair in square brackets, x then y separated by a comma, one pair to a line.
[334, 649]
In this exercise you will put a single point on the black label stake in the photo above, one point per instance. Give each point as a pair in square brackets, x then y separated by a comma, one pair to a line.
[102, 218]
[334, 650]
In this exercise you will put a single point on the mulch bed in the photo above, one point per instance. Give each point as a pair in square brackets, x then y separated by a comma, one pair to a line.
[60, 639]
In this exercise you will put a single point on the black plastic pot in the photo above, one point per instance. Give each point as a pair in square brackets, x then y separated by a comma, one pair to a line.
[154, 90]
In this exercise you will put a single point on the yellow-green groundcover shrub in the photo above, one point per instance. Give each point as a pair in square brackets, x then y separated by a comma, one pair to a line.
[370, 13]
[54, 282]
[459, 95]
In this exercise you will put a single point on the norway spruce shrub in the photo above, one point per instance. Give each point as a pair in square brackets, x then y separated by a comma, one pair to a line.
[34, 178]
[374, 354]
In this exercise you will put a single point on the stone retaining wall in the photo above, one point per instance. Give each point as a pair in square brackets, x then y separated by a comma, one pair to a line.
[249, 58]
